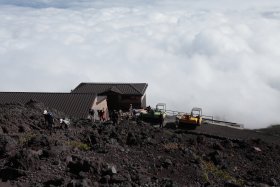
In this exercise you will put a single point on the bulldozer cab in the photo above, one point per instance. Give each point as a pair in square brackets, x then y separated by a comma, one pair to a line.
[196, 112]
[161, 107]
[154, 116]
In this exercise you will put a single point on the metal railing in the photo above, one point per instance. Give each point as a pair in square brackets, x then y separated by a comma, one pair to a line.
[207, 118]
[172, 112]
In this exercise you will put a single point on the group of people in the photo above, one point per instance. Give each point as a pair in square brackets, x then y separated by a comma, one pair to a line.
[114, 116]
[49, 121]
[101, 115]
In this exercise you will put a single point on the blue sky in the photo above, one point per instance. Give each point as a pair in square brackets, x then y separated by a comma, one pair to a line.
[222, 56]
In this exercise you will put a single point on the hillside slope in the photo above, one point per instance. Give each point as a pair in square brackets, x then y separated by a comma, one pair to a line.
[130, 154]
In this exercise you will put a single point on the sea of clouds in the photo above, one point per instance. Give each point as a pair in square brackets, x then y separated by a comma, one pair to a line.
[220, 55]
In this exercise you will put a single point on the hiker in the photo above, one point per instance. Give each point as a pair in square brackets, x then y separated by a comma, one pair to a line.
[49, 120]
[115, 117]
[130, 110]
[161, 120]
[65, 123]
[91, 114]
[120, 114]
[134, 114]
[101, 114]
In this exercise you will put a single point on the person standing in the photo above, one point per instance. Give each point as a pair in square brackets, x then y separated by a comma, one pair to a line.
[91, 114]
[161, 120]
[49, 120]
[99, 112]
[115, 117]
[130, 110]
[103, 115]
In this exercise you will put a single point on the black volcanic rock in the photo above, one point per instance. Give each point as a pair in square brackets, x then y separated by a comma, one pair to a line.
[131, 153]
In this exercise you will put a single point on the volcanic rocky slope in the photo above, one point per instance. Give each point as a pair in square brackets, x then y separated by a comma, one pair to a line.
[131, 154]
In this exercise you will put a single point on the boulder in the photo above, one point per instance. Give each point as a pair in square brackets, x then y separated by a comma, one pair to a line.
[80, 183]
[78, 165]
[131, 139]
[8, 173]
[54, 182]
[6, 144]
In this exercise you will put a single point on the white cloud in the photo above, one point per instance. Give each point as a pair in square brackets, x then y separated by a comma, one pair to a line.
[222, 56]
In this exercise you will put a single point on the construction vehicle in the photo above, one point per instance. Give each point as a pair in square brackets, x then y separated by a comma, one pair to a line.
[153, 115]
[193, 119]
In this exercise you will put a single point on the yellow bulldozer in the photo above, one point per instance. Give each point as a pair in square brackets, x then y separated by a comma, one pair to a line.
[193, 119]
